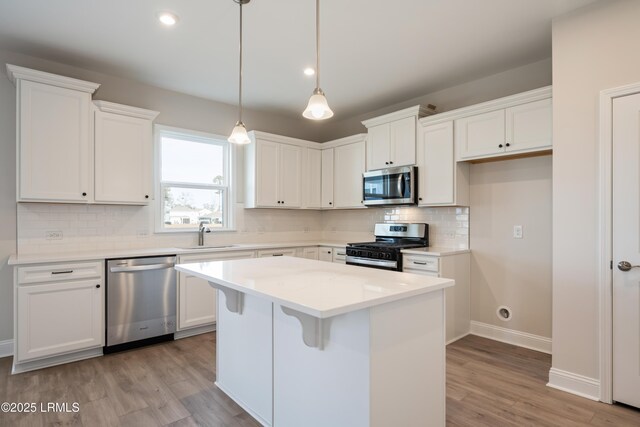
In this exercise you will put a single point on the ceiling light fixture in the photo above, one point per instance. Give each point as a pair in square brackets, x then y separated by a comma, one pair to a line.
[167, 18]
[317, 108]
[309, 71]
[239, 134]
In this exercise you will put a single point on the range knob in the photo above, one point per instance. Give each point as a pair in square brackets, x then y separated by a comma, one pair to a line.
[388, 256]
[380, 255]
[370, 255]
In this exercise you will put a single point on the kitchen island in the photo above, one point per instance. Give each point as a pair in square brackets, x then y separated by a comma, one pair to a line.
[307, 343]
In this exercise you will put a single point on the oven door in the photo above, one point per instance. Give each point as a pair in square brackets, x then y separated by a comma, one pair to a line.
[394, 186]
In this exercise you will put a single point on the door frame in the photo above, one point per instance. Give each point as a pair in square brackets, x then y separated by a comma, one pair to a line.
[605, 236]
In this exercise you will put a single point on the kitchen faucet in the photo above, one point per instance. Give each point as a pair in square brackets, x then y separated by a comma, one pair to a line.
[201, 232]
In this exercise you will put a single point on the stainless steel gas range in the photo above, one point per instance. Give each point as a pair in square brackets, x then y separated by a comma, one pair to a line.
[385, 252]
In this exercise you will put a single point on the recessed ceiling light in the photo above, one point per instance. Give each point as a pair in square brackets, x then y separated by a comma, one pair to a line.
[167, 18]
[309, 71]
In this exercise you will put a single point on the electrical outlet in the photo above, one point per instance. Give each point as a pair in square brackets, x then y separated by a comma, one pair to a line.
[517, 232]
[53, 235]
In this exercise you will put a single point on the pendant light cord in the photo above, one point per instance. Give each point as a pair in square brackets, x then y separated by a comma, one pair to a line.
[317, 44]
[240, 75]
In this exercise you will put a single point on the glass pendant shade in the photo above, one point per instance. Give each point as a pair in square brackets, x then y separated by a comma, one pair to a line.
[318, 107]
[239, 134]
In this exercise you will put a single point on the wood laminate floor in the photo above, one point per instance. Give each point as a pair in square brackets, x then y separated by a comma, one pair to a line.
[488, 384]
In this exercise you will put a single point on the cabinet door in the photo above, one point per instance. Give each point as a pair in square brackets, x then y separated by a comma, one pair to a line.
[122, 159]
[480, 135]
[267, 180]
[313, 174]
[327, 178]
[378, 147]
[196, 298]
[310, 253]
[290, 173]
[436, 165]
[403, 142]
[349, 166]
[53, 147]
[59, 318]
[529, 126]
[325, 254]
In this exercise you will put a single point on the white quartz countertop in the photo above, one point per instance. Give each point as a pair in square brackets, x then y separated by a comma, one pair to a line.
[129, 253]
[435, 251]
[316, 288]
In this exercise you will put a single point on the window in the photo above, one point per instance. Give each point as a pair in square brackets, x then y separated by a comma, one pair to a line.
[193, 180]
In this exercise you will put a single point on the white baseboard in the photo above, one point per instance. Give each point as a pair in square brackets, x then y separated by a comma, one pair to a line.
[510, 336]
[6, 348]
[185, 333]
[452, 340]
[574, 384]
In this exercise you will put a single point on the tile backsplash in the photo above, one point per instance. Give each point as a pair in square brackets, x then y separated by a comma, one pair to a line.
[53, 228]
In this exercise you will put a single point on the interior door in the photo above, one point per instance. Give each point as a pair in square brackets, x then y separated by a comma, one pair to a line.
[626, 250]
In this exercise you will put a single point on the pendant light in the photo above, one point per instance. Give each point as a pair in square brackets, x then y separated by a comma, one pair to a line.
[239, 134]
[317, 108]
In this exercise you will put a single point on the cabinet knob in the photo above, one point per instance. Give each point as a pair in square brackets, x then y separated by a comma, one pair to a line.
[390, 163]
[386, 163]
[98, 286]
[508, 145]
[84, 194]
[330, 203]
[500, 146]
[146, 196]
[419, 198]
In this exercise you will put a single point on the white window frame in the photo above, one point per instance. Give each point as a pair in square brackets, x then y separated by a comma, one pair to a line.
[200, 137]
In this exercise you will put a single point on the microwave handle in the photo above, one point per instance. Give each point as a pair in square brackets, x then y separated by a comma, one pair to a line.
[402, 184]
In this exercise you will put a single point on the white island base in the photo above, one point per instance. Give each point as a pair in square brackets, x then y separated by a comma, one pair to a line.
[382, 365]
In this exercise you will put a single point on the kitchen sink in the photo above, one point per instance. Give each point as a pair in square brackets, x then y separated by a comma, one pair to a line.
[209, 247]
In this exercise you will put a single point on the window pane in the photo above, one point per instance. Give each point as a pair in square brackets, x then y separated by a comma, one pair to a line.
[185, 208]
[192, 162]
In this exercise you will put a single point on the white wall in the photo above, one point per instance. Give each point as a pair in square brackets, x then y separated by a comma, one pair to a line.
[521, 79]
[504, 270]
[595, 48]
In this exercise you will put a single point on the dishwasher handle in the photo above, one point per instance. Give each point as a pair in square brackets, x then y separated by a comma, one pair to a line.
[141, 268]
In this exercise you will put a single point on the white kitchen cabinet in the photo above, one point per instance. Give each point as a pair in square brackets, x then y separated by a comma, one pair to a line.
[391, 139]
[308, 252]
[54, 137]
[327, 178]
[456, 267]
[523, 125]
[123, 153]
[325, 254]
[273, 174]
[313, 173]
[339, 255]
[196, 298]
[442, 181]
[349, 165]
[59, 310]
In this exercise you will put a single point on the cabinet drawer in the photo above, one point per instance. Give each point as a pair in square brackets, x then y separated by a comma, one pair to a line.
[422, 263]
[339, 254]
[57, 272]
[277, 252]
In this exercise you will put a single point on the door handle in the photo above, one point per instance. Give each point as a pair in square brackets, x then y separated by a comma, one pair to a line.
[626, 266]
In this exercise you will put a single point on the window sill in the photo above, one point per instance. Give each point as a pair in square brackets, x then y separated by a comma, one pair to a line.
[195, 230]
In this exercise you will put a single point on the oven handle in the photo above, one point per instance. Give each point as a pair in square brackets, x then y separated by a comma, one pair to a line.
[368, 261]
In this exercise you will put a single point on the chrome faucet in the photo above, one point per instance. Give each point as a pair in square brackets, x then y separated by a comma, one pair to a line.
[201, 230]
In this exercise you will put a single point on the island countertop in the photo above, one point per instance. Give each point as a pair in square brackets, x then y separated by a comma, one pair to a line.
[316, 288]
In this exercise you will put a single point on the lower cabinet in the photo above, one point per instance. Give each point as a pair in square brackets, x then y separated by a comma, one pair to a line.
[309, 252]
[56, 316]
[325, 254]
[458, 268]
[277, 252]
[196, 298]
[340, 255]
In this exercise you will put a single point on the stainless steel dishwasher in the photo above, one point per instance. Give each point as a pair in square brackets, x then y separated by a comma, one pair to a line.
[141, 302]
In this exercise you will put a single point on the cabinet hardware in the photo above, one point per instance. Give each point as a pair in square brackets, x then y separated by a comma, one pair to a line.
[508, 145]
[330, 203]
[386, 163]
[341, 253]
[98, 286]
[500, 146]
[146, 196]
[62, 272]
[84, 194]
[390, 163]
[277, 255]
[419, 198]
[420, 262]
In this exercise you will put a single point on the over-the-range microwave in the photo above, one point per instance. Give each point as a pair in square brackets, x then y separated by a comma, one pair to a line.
[392, 186]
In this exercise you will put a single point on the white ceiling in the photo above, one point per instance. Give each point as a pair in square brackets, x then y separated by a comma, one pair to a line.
[373, 52]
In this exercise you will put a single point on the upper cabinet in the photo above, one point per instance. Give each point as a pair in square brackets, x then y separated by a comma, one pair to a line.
[313, 171]
[515, 125]
[348, 166]
[327, 178]
[54, 138]
[273, 172]
[72, 151]
[123, 153]
[391, 138]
